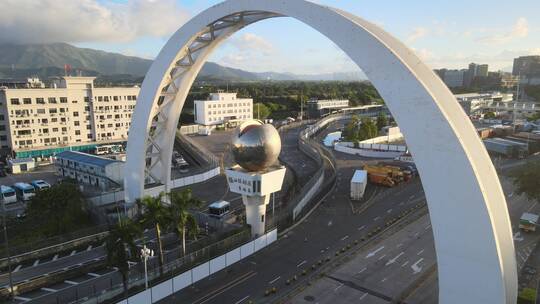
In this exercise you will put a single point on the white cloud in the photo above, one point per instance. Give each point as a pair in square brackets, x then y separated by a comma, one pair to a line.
[41, 21]
[418, 32]
[520, 29]
[250, 42]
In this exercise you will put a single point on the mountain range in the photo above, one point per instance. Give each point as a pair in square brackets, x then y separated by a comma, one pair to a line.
[46, 60]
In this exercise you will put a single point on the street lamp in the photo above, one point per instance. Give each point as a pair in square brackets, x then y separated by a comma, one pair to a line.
[145, 254]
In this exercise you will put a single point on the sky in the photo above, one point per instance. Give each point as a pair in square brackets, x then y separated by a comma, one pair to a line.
[447, 34]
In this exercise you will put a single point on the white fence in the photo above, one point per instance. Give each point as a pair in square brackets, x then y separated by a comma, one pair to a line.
[167, 288]
[309, 195]
[367, 152]
[112, 197]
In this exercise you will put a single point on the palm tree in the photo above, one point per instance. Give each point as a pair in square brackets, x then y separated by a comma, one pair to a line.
[154, 213]
[120, 247]
[182, 221]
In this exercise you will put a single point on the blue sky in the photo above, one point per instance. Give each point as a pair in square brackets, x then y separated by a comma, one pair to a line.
[444, 33]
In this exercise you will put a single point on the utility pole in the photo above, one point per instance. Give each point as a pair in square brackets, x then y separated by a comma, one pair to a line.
[7, 248]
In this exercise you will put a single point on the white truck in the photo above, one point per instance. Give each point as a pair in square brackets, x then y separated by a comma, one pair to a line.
[358, 184]
[528, 222]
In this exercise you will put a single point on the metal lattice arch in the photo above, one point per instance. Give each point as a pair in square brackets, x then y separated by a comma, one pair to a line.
[471, 226]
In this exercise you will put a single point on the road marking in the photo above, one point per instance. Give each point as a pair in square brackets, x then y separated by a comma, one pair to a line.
[363, 296]
[405, 264]
[383, 280]
[420, 252]
[48, 289]
[411, 197]
[428, 226]
[360, 228]
[73, 252]
[402, 203]
[242, 300]
[392, 261]
[389, 211]
[381, 257]
[36, 262]
[22, 298]
[344, 238]
[415, 266]
[55, 257]
[374, 252]
[399, 245]
[329, 223]
[274, 280]
[416, 234]
[217, 292]
[340, 285]
[17, 268]
[253, 262]
[70, 282]
[376, 218]
[363, 269]
[511, 194]
[521, 256]
[95, 275]
[89, 248]
[518, 237]
[301, 263]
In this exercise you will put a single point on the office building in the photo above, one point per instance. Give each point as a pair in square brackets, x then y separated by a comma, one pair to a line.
[221, 108]
[71, 114]
[526, 66]
[454, 78]
[99, 172]
[317, 108]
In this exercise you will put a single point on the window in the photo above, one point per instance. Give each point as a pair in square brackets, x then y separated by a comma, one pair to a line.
[15, 101]
[87, 99]
[1, 117]
[40, 100]
[2, 127]
[45, 130]
[73, 101]
[76, 114]
[40, 111]
[77, 132]
[76, 123]
[100, 98]
[89, 136]
[106, 98]
[88, 127]
[3, 137]
[87, 108]
[52, 99]
[55, 129]
[52, 111]
[115, 98]
[27, 100]
[63, 99]
[64, 129]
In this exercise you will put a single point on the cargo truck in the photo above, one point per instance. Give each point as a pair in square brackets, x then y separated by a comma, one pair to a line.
[358, 184]
[528, 222]
[388, 176]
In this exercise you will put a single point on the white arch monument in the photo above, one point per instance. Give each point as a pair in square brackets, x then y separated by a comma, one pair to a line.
[471, 226]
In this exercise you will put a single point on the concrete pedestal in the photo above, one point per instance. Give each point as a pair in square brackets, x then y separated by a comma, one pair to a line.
[255, 188]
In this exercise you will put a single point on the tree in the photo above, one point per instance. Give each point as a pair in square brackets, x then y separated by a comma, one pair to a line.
[490, 115]
[382, 121]
[58, 210]
[526, 180]
[120, 247]
[182, 221]
[154, 213]
[368, 129]
[261, 111]
[350, 132]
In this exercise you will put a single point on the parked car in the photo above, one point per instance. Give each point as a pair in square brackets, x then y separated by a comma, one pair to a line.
[40, 184]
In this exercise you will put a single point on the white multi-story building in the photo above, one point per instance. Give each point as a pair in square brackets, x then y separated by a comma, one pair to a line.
[474, 102]
[317, 108]
[72, 114]
[222, 108]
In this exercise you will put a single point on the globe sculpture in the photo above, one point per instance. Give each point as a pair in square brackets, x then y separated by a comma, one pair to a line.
[255, 145]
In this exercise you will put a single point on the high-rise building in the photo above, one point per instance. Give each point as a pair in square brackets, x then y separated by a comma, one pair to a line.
[478, 70]
[527, 66]
[454, 78]
[223, 108]
[71, 114]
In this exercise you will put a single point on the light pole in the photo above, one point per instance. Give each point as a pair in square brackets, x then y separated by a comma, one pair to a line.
[7, 247]
[145, 254]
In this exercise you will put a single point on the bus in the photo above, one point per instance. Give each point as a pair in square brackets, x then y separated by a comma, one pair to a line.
[24, 191]
[8, 194]
[219, 209]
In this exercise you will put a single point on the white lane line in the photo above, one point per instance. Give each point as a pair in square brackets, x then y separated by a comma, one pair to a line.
[360, 228]
[70, 282]
[301, 263]
[381, 257]
[17, 268]
[415, 266]
[428, 226]
[36, 262]
[340, 285]
[383, 280]
[22, 298]
[89, 248]
[375, 219]
[389, 211]
[374, 252]
[274, 280]
[363, 296]
[399, 245]
[411, 197]
[95, 275]
[420, 252]
[344, 238]
[48, 289]
[392, 261]
[363, 269]
[55, 257]
[405, 264]
[416, 234]
[73, 252]
[242, 300]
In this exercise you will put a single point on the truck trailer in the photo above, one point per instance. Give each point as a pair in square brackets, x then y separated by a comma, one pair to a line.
[358, 184]
[528, 222]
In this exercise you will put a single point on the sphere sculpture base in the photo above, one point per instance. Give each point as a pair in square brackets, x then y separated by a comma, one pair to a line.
[255, 188]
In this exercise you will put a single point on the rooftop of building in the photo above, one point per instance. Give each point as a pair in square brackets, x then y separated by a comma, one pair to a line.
[89, 159]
